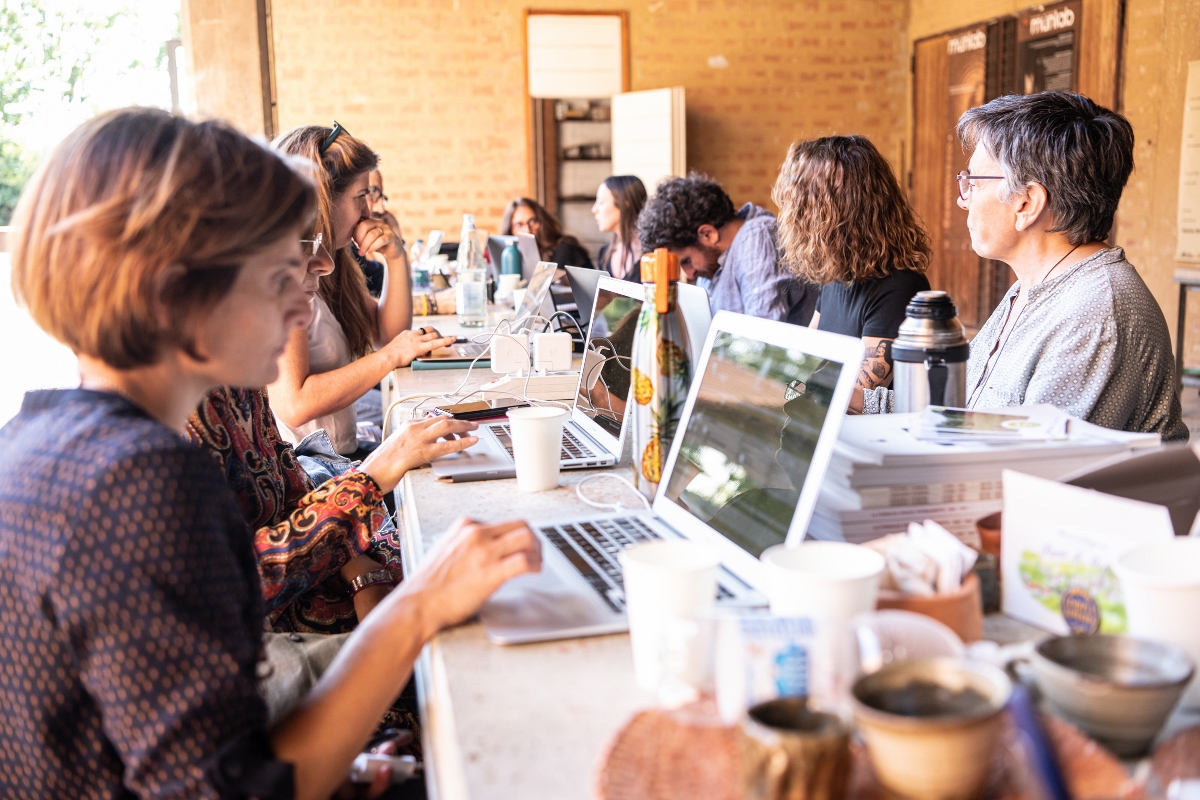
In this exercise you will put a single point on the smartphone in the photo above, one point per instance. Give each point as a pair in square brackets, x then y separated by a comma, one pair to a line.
[480, 410]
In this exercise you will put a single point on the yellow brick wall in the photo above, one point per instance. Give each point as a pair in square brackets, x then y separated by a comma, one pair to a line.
[221, 38]
[438, 86]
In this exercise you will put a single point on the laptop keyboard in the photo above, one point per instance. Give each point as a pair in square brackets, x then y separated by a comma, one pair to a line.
[572, 446]
[592, 548]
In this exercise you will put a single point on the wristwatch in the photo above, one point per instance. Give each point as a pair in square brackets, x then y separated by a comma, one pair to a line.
[379, 576]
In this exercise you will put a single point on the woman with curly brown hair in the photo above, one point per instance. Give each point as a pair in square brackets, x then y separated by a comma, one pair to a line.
[845, 225]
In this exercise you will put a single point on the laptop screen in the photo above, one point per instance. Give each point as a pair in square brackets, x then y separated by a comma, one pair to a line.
[604, 380]
[750, 439]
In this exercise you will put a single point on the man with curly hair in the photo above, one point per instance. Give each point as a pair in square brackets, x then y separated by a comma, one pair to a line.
[734, 255]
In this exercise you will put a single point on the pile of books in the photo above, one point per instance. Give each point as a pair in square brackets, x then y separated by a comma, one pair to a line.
[882, 476]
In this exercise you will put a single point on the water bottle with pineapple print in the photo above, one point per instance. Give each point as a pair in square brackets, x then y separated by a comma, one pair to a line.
[662, 369]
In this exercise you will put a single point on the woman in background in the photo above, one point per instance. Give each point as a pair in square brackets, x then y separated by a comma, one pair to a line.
[845, 225]
[353, 340]
[619, 200]
[528, 216]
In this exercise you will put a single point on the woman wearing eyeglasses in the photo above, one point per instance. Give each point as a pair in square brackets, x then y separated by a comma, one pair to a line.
[845, 226]
[1079, 329]
[166, 254]
[353, 340]
[528, 216]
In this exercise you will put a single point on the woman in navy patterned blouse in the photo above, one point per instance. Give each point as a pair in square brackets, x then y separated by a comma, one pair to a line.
[167, 255]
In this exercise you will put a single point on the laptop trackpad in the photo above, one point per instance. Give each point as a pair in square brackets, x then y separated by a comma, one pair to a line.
[546, 605]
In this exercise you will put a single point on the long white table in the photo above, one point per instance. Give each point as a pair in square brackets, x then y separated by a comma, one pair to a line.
[528, 721]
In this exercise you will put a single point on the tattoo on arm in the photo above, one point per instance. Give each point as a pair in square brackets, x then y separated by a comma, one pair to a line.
[876, 367]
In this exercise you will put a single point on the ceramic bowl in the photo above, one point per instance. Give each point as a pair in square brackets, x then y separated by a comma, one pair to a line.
[1118, 689]
[931, 725]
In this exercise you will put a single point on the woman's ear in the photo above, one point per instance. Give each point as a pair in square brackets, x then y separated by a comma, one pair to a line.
[1031, 206]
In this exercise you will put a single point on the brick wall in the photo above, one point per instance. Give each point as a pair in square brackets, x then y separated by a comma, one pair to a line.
[438, 86]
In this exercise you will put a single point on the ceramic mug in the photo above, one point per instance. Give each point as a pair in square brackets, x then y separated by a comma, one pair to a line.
[790, 752]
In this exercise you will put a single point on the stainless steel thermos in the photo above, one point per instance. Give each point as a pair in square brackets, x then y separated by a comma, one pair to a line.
[930, 355]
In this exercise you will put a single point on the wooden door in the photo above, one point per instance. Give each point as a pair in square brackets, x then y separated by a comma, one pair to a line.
[649, 135]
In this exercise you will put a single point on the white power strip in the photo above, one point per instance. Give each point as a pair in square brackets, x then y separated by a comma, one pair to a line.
[555, 386]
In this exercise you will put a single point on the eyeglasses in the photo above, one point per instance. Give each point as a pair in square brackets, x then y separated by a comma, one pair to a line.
[313, 246]
[375, 193]
[337, 131]
[965, 186]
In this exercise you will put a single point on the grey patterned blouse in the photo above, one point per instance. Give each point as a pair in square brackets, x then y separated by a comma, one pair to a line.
[1092, 342]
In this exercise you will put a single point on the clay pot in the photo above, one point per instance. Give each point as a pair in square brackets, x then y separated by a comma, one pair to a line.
[961, 611]
[989, 534]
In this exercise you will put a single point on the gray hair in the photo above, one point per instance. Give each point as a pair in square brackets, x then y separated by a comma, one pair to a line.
[1080, 152]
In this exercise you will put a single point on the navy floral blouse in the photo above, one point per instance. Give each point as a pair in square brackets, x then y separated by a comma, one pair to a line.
[130, 608]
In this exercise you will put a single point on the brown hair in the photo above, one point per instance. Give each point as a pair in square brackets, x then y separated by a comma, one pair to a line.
[129, 194]
[549, 233]
[629, 196]
[344, 161]
[842, 215]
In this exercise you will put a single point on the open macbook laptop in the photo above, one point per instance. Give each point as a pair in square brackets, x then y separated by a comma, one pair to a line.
[535, 296]
[594, 434]
[743, 473]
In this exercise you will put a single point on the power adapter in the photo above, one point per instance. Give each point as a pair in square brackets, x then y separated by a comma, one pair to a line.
[552, 352]
[510, 353]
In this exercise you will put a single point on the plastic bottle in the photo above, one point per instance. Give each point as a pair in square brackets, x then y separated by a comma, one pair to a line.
[662, 369]
[470, 291]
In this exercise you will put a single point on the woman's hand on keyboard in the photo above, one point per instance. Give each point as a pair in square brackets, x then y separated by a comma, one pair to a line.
[467, 565]
[415, 444]
[409, 345]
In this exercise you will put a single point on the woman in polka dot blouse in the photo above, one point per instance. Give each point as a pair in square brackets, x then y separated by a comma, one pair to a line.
[167, 254]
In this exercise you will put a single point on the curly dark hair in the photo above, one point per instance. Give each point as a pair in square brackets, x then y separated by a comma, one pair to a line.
[842, 215]
[678, 208]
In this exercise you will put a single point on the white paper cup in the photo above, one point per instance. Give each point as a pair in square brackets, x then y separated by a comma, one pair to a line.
[1160, 584]
[518, 295]
[834, 580]
[508, 282]
[665, 582]
[537, 446]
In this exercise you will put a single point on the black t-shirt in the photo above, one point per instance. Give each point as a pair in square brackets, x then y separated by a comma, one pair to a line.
[872, 308]
[569, 253]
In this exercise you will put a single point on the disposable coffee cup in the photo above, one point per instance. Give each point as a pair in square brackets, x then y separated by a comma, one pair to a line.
[537, 446]
[834, 580]
[518, 296]
[508, 283]
[1160, 584]
[666, 582]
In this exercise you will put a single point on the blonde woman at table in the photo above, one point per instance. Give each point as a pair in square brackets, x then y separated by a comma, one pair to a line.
[167, 255]
[353, 340]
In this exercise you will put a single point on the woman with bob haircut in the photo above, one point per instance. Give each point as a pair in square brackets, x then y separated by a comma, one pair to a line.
[845, 226]
[353, 340]
[529, 216]
[619, 200]
[1079, 329]
[167, 254]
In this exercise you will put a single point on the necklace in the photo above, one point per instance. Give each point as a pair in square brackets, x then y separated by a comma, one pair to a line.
[1056, 263]
[990, 365]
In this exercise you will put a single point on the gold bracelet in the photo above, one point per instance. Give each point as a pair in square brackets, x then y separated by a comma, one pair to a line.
[424, 312]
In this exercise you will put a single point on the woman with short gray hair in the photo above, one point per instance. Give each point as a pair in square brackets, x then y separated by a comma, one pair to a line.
[1079, 329]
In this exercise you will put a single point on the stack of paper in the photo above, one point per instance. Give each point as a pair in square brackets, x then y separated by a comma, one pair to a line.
[1030, 423]
[881, 477]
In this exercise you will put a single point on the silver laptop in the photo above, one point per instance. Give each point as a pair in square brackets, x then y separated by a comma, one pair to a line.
[594, 434]
[743, 474]
[531, 305]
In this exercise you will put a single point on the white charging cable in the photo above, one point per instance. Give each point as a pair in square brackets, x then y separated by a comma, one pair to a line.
[609, 506]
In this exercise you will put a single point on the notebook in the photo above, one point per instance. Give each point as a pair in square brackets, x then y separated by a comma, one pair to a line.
[743, 474]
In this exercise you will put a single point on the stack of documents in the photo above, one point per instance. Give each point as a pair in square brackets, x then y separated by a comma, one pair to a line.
[881, 476]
